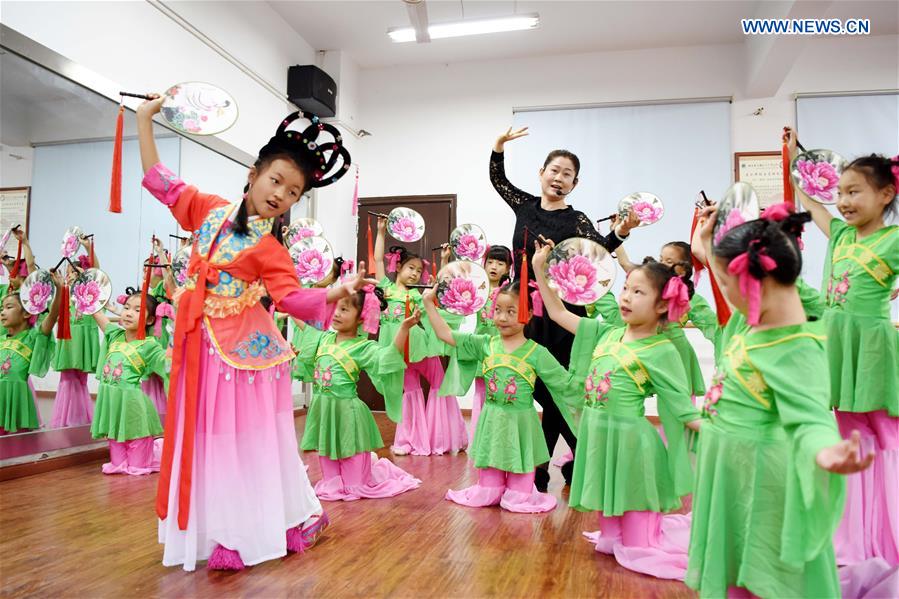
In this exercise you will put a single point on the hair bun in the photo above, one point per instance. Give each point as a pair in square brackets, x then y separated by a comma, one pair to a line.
[794, 224]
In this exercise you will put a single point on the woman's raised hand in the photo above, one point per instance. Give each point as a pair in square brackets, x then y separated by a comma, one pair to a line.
[509, 135]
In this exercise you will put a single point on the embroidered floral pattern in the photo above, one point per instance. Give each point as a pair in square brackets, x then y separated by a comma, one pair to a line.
[4, 368]
[836, 294]
[258, 345]
[713, 395]
[597, 387]
[492, 386]
[112, 374]
[511, 389]
[321, 378]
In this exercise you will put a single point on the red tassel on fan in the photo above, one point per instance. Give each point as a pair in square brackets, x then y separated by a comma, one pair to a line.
[92, 253]
[64, 325]
[406, 345]
[17, 266]
[722, 310]
[115, 187]
[433, 267]
[142, 319]
[370, 265]
[523, 284]
[788, 187]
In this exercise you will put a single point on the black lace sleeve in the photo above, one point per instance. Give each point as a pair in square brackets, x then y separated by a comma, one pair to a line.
[586, 228]
[513, 196]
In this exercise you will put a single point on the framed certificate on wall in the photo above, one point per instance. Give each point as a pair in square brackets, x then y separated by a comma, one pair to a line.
[15, 207]
[764, 171]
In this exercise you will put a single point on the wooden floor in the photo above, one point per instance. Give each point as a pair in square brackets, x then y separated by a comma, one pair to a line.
[77, 533]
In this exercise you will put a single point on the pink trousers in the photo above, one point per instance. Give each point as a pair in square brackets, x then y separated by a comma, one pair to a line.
[72, 406]
[362, 476]
[513, 492]
[433, 428]
[135, 457]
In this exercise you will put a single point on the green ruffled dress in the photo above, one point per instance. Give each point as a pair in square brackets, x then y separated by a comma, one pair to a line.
[123, 411]
[508, 436]
[339, 424]
[27, 353]
[621, 463]
[862, 343]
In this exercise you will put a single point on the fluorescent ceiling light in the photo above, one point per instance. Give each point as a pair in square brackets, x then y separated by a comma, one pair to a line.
[470, 27]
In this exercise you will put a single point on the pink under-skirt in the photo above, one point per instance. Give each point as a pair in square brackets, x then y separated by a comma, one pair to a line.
[72, 406]
[249, 485]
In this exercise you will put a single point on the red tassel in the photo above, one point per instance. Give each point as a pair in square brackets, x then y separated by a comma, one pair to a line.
[142, 319]
[722, 310]
[788, 187]
[433, 267]
[17, 267]
[406, 345]
[370, 265]
[64, 325]
[115, 187]
[523, 284]
[92, 252]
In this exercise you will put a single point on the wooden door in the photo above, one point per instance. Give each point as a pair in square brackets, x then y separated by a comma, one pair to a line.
[439, 213]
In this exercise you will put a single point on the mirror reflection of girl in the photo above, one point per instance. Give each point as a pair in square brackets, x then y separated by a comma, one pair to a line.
[26, 349]
[74, 358]
[339, 426]
[435, 427]
[125, 415]
[622, 468]
[508, 443]
[232, 489]
[861, 273]
[498, 264]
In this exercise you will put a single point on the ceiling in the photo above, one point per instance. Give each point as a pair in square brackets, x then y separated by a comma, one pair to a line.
[360, 27]
[38, 106]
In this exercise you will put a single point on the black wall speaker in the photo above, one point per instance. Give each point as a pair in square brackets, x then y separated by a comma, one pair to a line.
[312, 89]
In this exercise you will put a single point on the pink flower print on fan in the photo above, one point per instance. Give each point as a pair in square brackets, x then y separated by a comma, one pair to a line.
[461, 296]
[511, 389]
[301, 234]
[404, 229]
[4, 368]
[734, 219]
[191, 125]
[39, 296]
[69, 246]
[86, 296]
[312, 266]
[817, 179]
[646, 212]
[469, 246]
[575, 279]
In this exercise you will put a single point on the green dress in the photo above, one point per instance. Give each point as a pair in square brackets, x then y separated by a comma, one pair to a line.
[29, 352]
[607, 307]
[82, 351]
[423, 341]
[862, 343]
[508, 436]
[339, 424]
[621, 463]
[763, 511]
[124, 412]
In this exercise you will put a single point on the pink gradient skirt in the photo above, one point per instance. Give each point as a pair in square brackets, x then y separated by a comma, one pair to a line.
[72, 406]
[249, 485]
[362, 476]
[870, 525]
[154, 387]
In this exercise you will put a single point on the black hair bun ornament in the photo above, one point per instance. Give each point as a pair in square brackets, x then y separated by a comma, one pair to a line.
[326, 154]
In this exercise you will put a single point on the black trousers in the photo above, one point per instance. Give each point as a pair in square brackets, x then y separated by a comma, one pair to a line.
[558, 341]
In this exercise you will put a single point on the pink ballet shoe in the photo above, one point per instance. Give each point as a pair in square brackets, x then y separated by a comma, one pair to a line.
[224, 559]
[311, 533]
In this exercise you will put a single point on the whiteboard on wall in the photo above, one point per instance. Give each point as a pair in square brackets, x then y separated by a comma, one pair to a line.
[70, 186]
[671, 150]
[852, 126]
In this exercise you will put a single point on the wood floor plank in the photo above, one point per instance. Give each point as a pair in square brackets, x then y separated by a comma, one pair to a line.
[77, 533]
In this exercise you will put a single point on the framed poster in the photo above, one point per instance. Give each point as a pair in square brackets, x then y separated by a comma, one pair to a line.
[15, 207]
[764, 171]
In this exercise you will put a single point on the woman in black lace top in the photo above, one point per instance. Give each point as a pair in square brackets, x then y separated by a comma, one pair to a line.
[548, 215]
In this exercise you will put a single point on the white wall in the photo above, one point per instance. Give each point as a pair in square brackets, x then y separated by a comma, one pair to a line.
[137, 46]
[16, 163]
